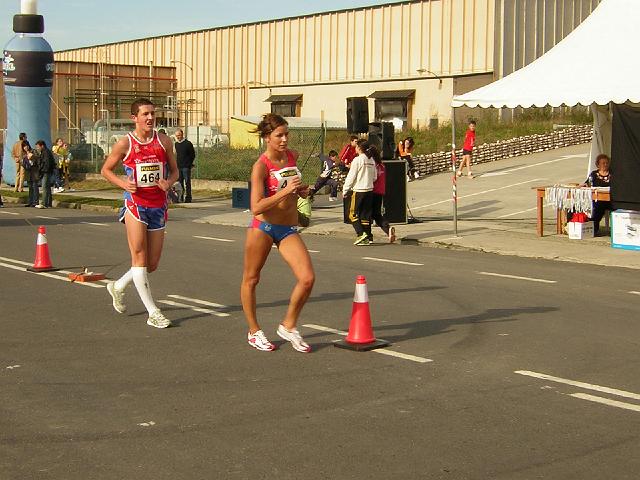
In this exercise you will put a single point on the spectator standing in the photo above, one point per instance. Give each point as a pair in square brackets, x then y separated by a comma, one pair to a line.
[47, 165]
[32, 170]
[185, 155]
[61, 173]
[18, 153]
[329, 170]
[467, 148]
[404, 151]
[379, 189]
[359, 183]
[348, 153]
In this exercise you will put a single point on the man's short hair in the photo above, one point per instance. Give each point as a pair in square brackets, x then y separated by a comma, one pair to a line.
[333, 153]
[352, 138]
[41, 143]
[135, 106]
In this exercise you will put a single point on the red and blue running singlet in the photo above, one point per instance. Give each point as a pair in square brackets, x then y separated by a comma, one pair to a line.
[279, 176]
[145, 164]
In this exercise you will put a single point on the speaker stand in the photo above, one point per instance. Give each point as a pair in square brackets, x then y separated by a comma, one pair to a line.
[410, 218]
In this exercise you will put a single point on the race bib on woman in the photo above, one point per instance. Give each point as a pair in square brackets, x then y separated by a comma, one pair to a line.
[148, 174]
[284, 175]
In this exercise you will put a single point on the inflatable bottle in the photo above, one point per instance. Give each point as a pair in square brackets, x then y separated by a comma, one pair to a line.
[27, 67]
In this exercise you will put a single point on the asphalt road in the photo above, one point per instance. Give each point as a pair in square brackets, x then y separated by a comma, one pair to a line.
[500, 368]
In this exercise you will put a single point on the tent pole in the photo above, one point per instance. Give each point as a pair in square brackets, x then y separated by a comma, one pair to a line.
[453, 166]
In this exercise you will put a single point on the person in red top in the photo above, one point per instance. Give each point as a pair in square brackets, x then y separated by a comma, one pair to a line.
[348, 152]
[274, 206]
[379, 188]
[467, 148]
[151, 169]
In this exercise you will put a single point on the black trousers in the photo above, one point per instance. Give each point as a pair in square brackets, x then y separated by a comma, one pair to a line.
[360, 212]
[598, 212]
[376, 214]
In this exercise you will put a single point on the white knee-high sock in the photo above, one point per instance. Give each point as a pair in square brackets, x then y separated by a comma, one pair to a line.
[141, 281]
[124, 280]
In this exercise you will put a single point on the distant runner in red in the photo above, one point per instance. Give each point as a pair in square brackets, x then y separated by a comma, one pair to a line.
[467, 148]
[150, 168]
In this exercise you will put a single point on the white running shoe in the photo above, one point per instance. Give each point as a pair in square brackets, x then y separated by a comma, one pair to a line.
[40, 206]
[117, 296]
[392, 234]
[158, 320]
[295, 338]
[333, 199]
[260, 342]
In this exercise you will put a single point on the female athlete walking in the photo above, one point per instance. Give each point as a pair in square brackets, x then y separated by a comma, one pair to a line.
[277, 185]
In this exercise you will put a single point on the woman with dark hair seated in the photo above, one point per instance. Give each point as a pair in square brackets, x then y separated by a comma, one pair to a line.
[601, 177]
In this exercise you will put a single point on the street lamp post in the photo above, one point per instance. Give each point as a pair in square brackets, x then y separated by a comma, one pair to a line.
[189, 100]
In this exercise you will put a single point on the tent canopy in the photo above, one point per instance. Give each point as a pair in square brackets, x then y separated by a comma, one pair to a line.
[596, 63]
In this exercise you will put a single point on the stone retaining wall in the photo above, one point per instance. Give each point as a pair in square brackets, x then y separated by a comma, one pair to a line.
[490, 152]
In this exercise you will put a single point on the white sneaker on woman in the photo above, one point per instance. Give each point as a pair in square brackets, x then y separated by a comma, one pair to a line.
[260, 342]
[295, 338]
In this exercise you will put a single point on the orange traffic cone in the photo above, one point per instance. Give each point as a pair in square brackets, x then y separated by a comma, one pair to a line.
[361, 336]
[42, 262]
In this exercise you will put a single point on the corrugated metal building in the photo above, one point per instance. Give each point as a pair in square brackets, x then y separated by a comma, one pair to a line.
[409, 58]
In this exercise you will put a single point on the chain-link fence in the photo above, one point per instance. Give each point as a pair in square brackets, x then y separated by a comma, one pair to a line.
[215, 159]
[225, 163]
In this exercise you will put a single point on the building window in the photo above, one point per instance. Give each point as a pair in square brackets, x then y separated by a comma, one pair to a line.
[393, 106]
[285, 105]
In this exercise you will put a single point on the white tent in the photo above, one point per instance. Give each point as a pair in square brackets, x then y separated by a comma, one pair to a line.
[596, 64]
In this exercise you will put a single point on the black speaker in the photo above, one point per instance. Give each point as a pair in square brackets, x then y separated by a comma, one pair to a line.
[382, 135]
[357, 114]
[395, 197]
[388, 141]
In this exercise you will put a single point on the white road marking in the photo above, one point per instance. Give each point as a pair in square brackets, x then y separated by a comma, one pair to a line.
[382, 351]
[11, 367]
[313, 251]
[214, 238]
[515, 277]
[449, 200]
[9, 213]
[47, 218]
[19, 262]
[505, 172]
[606, 401]
[404, 356]
[587, 386]
[493, 174]
[44, 274]
[96, 224]
[195, 309]
[373, 259]
[325, 329]
[633, 292]
[521, 211]
[198, 301]
[147, 424]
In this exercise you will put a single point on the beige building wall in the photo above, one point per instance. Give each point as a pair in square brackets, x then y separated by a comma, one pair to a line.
[424, 45]
[326, 57]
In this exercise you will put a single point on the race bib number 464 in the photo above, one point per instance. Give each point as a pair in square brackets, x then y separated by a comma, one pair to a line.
[148, 174]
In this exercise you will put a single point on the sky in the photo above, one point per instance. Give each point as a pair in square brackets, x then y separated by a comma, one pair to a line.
[79, 23]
